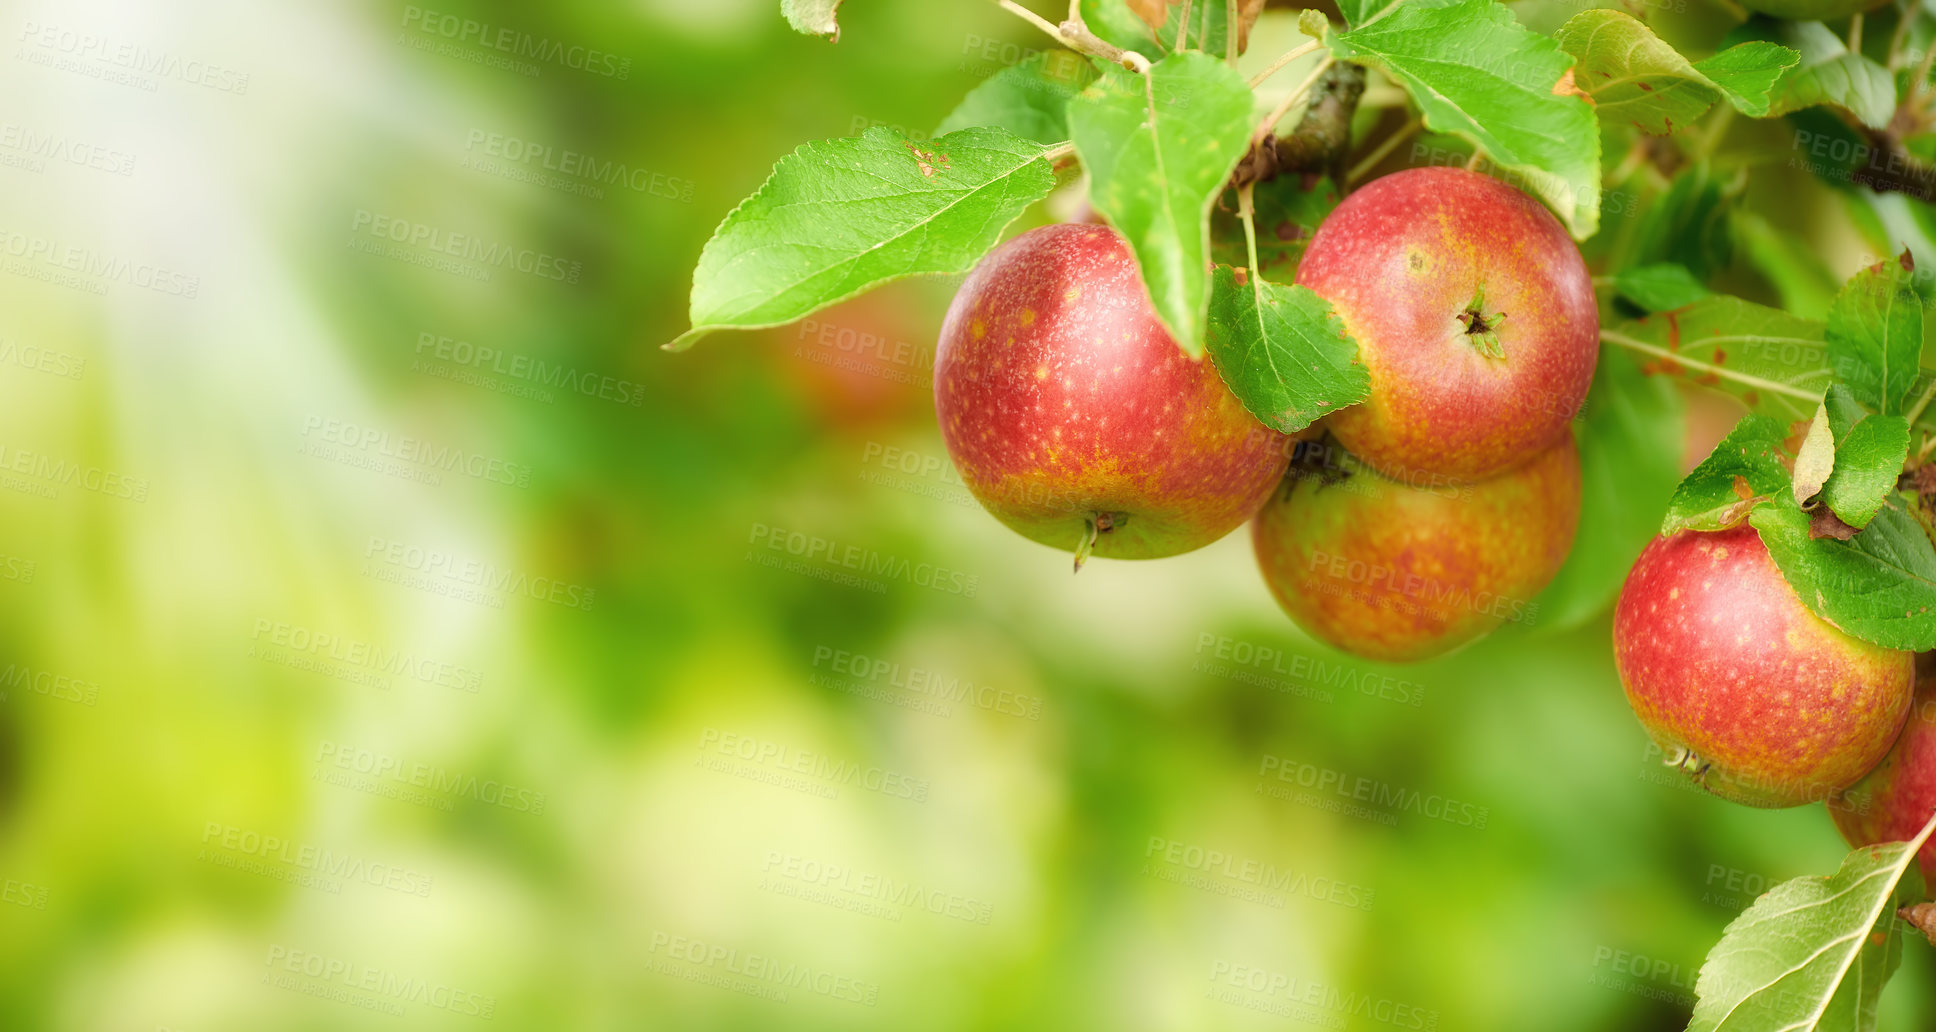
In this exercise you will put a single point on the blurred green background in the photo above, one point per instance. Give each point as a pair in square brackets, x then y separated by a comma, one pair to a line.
[392, 637]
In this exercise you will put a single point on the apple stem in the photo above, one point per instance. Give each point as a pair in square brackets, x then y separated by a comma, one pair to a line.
[1269, 124]
[1246, 211]
[1075, 35]
[1231, 27]
[1922, 403]
[1183, 26]
[1088, 543]
[1283, 59]
[1687, 761]
[1383, 150]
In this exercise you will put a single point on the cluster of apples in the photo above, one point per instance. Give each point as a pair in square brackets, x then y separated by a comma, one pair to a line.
[1396, 529]
[1764, 703]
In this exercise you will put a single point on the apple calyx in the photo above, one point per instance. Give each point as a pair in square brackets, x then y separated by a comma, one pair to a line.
[1483, 327]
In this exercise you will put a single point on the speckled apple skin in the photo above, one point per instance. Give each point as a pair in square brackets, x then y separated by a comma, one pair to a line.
[1061, 396]
[1400, 259]
[1892, 801]
[1400, 573]
[1720, 657]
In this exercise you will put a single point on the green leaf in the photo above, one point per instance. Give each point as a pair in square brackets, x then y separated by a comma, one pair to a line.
[1868, 459]
[1843, 410]
[1158, 148]
[813, 17]
[1209, 30]
[1774, 362]
[1361, 12]
[1660, 287]
[1879, 585]
[1635, 77]
[1875, 335]
[1689, 224]
[1748, 73]
[1710, 498]
[1283, 352]
[1815, 460]
[1632, 75]
[1113, 22]
[1477, 73]
[1828, 74]
[839, 217]
[1287, 215]
[1630, 460]
[1029, 98]
[1799, 276]
[1812, 954]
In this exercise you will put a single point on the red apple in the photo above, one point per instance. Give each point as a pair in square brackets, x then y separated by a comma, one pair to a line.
[1751, 694]
[1073, 416]
[1892, 802]
[1406, 571]
[1474, 315]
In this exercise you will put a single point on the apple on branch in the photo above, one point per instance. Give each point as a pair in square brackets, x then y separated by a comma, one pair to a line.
[1474, 315]
[1076, 420]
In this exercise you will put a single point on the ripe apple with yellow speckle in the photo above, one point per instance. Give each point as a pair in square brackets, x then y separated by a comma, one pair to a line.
[1474, 315]
[1891, 802]
[1074, 418]
[1402, 572]
[1749, 693]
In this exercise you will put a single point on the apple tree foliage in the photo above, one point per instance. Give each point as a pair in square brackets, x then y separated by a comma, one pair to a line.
[1216, 164]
